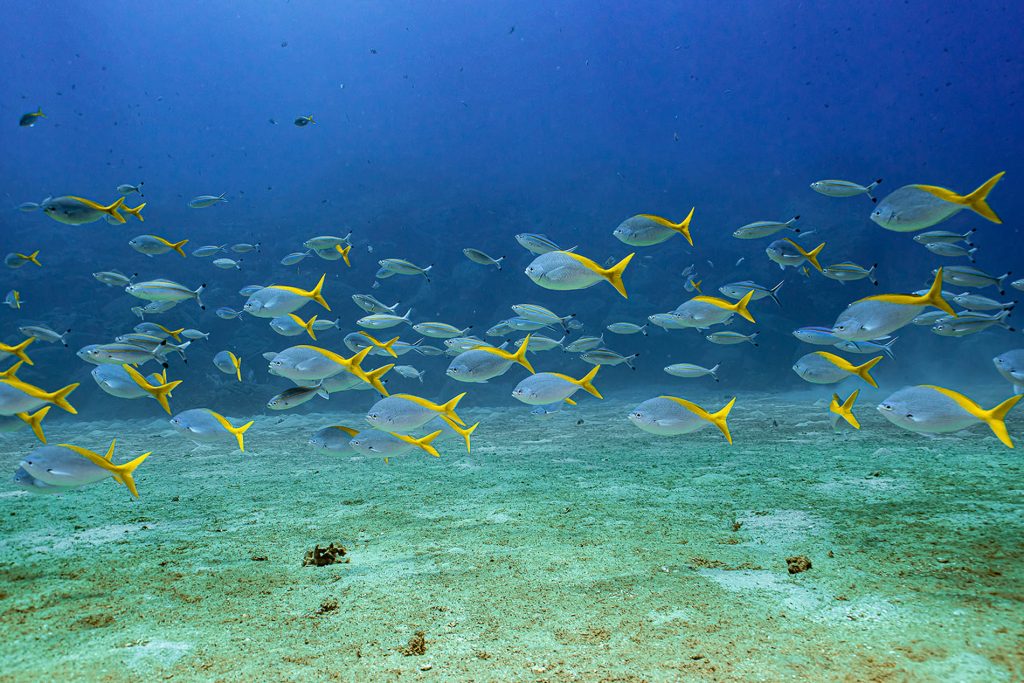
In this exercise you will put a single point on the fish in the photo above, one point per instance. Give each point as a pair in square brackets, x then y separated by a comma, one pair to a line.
[539, 342]
[13, 299]
[31, 118]
[645, 230]
[28, 207]
[370, 304]
[44, 333]
[277, 300]
[228, 363]
[689, 370]
[867, 347]
[788, 253]
[1018, 284]
[930, 409]
[704, 311]
[503, 329]
[113, 278]
[245, 247]
[409, 372]
[311, 364]
[536, 243]
[72, 467]
[303, 121]
[208, 250]
[976, 302]
[970, 323]
[951, 250]
[334, 439]
[17, 396]
[402, 267]
[608, 357]
[671, 416]
[1010, 365]
[327, 242]
[436, 330]
[967, 276]
[405, 412]
[383, 321]
[380, 348]
[228, 313]
[460, 344]
[585, 344]
[295, 257]
[477, 256]
[737, 290]
[944, 237]
[72, 210]
[152, 245]
[840, 409]
[206, 200]
[916, 207]
[115, 381]
[759, 229]
[875, 317]
[728, 338]
[849, 272]
[564, 270]
[165, 290]
[548, 387]
[548, 411]
[203, 425]
[540, 315]
[296, 396]
[292, 325]
[227, 264]
[627, 328]
[822, 367]
[669, 321]
[17, 260]
[478, 365]
[844, 188]
[26, 482]
[391, 444]
[127, 189]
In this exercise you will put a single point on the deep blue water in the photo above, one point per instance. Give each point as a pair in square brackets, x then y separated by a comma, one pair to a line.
[461, 124]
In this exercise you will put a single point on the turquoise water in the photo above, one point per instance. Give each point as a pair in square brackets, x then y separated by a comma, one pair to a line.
[643, 530]
[564, 552]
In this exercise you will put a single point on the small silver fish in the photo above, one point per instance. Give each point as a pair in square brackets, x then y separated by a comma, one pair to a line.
[477, 256]
[205, 200]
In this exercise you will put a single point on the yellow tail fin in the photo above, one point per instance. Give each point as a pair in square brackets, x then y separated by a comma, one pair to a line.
[520, 355]
[19, 350]
[239, 431]
[35, 421]
[60, 398]
[719, 420]
[137, 211]
[448, 409]
[237, 362]
[344, 253]
[683, 227]
[373, 378]
[125, 472]
[112, 209]
[995, 417]
[741, 307]
[422, 442]
[177, 246]
[862, 371]
[160, 391]
[976, 201]
[32, 257]
[614, 275]
[12, 372]
[387, 346]
[934, 295]
[308, 324]
[465, 433]
[844, 409]
[315, 293]
[121, 473]
[585, 382]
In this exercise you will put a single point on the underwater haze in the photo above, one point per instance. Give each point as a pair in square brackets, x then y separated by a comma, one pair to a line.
[787, 450]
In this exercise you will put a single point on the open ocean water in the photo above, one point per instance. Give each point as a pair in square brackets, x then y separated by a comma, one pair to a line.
[762, 428]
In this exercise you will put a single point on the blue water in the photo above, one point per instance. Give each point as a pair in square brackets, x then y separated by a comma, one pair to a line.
[448, 125]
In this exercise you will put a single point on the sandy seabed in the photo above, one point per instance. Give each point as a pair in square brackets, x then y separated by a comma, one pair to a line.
[557, 551]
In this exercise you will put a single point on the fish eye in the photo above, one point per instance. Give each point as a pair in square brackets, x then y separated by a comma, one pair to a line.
[886, 406]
